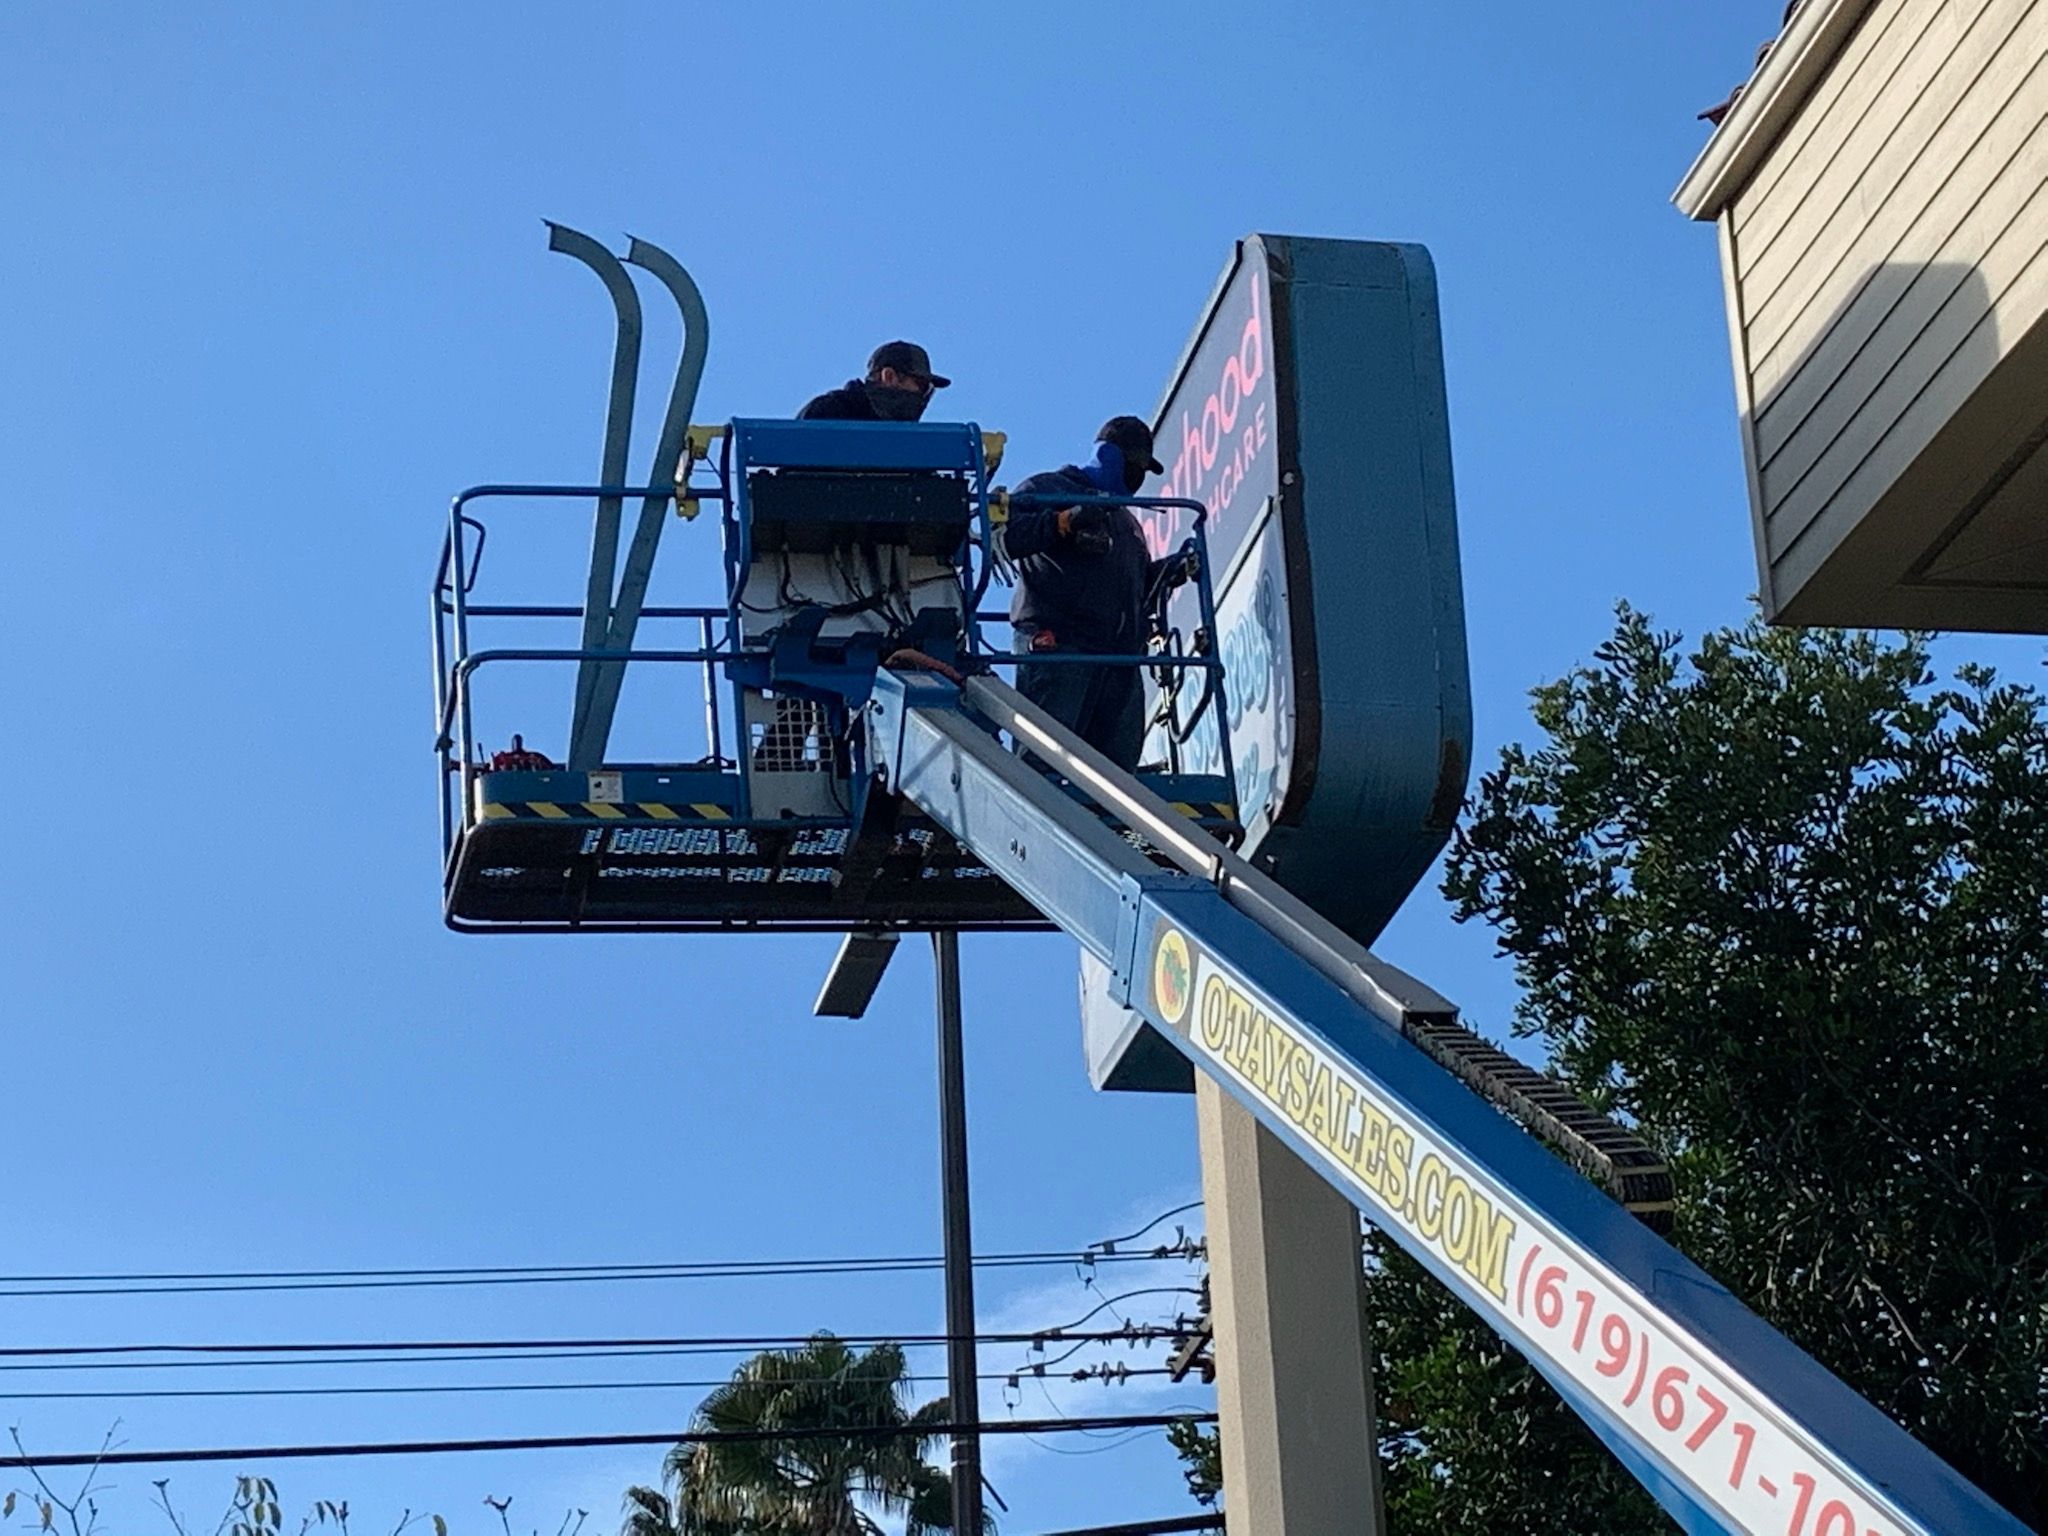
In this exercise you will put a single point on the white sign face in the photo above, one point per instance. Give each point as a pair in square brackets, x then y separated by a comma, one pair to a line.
[1218, 435]
[1258, 684]
[1710, 1429]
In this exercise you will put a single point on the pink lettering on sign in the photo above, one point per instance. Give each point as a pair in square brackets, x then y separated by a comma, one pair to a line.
[1217, 432]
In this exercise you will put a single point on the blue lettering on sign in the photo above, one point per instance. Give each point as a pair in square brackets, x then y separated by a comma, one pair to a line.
[1255, 697]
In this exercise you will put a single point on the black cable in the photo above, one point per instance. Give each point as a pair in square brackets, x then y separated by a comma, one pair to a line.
[1107, 1301]
[433, 1388]
[1108, 1244]
[1127, 1437]
[1047, 1255]
[593, 1442]
[1117, 1438]
[703, 1344]
[1060, 1335]
[201, 1283]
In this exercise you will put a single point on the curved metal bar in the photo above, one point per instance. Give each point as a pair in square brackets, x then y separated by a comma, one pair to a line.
[1105, 659]
[618, 431]
[476, 659]
[1217, 692]
[1072, 499]
[594, 715]
[513, 492]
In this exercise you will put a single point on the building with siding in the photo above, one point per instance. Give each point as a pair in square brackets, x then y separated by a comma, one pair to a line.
[1881, 192]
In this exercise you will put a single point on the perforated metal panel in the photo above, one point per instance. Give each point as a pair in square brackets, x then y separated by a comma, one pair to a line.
[794, 765]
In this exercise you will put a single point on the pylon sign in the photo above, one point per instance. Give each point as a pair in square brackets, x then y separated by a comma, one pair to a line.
[1308, 414]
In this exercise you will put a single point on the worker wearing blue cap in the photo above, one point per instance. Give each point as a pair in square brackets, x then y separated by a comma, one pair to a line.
[1085, 581]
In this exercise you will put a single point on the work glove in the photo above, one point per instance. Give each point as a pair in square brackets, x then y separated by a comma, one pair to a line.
[1185, 570]
[1088, 527]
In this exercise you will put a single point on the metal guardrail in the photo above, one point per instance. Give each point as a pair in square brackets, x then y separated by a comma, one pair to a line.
[455, 663]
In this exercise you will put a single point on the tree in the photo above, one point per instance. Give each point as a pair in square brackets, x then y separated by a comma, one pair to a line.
[1781, 903]
[1471, 1439]
[648, 1512]
[1201, 1452]
[252, 1509]
[816, 1485]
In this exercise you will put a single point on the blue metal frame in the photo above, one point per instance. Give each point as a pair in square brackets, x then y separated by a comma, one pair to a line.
[746, 444]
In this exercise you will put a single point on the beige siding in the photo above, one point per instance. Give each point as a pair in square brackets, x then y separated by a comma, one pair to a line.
[1887, 252]
[1890, 165]
[1905, 418]
[1886, 338]
[1810, 145]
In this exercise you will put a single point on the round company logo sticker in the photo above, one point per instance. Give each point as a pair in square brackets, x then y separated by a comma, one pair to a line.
[1173, 976]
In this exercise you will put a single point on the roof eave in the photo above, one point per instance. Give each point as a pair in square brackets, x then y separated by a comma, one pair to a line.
[1818, 32]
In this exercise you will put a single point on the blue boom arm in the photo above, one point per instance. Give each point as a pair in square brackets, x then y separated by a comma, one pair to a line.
[1729, 1424]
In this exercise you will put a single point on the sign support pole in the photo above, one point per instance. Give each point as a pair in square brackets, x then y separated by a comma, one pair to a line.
[962, 1389]
[1294, 1389]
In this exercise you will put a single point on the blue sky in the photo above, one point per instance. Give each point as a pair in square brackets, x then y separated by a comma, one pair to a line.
[276, 285]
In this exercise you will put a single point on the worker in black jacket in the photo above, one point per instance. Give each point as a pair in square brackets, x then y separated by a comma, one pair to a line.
[1085, 579]
[898, 387]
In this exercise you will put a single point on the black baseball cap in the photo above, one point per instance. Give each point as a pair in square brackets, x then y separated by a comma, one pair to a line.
[906, 357]
[1134, 437]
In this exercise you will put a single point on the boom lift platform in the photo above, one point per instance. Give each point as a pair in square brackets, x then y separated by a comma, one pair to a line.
[849, 548]
[866, 768]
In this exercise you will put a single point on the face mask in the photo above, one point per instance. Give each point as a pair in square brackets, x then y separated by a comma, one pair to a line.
[1107, 472]
[1135, 475]
[897, 404]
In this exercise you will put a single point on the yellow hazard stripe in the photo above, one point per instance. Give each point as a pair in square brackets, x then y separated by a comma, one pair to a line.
[601, 810]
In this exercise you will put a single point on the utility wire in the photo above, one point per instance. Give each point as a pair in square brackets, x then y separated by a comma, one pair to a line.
[1109, 1301]
[1108, 1245]
[228, 1282]
[1082, 1341]
[421, 1389]
[679, 1344]
[117, 1458]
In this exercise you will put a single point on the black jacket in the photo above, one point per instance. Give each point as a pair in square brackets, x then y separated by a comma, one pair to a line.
[1089, 602]
[849, 402]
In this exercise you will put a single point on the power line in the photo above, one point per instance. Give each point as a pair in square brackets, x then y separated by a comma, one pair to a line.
[570, 1347]
[418, 1272]
[1108, 1245]
[593, 1442]
[198, 1283]
[152, 1394]
[1080, 1341]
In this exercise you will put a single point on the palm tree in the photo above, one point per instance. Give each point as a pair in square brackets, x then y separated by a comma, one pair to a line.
[817, 1485]
[648, 1512]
